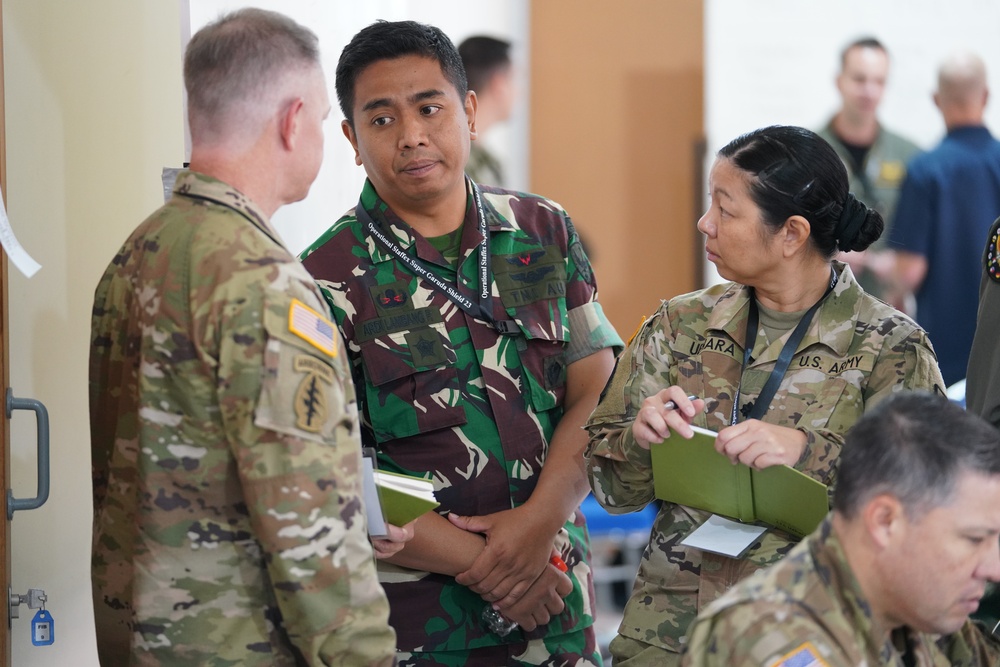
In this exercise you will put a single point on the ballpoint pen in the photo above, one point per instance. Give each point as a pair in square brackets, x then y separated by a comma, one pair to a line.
[670, 405]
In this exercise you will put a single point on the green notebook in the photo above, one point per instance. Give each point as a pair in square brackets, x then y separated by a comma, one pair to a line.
[403, 497]
[393, 498]
[692, 473]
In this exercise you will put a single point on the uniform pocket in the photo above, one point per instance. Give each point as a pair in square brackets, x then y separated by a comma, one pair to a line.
[411, 383]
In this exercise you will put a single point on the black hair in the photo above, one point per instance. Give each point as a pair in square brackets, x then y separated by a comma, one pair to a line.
[914, 445]
[482, 57]
[867, 42]
[386, 40]
[793, 171]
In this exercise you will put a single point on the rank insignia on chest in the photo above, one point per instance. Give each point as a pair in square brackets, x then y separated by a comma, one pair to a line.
[312, 327]
[992, 258]
[390, 298]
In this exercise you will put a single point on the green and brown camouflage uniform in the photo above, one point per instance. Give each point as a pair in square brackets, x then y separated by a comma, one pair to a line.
[877, 183]
[444, 396]
[810, 610]
[228, 528]
[856, 351]
[483, 166]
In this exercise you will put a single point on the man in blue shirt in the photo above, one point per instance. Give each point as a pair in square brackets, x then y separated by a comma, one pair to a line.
[949, 199]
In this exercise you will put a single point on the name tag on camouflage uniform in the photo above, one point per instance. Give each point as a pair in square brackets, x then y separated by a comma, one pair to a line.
[805, 655]
[312, 327]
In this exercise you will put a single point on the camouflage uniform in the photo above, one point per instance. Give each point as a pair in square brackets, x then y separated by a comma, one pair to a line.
[483, 166]
[878, 183]
[856, 351]
[227, 522]
[982, 389]
[811, 606]
[444, 396]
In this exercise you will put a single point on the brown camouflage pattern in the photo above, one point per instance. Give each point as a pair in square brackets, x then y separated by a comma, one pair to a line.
[856, 352]
[444, 396]
[228, 528]
[810, 603]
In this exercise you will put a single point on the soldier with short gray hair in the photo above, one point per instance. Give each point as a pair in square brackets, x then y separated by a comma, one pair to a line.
[228, 526]
[892, 574]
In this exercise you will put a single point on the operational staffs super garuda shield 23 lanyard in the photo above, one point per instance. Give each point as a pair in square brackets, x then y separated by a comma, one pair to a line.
[481, 309]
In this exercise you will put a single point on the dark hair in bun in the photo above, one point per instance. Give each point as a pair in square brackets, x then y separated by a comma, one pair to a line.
[795, 172]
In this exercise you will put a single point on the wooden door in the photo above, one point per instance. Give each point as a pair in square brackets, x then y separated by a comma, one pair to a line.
[617, 137]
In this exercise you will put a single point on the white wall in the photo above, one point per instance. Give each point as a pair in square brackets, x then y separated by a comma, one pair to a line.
[774, 61]
[339, 182]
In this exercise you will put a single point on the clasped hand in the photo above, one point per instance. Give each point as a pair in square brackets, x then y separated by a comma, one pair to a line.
[513, 571]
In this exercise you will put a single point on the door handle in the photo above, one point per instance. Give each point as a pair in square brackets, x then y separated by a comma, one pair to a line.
[42, 428]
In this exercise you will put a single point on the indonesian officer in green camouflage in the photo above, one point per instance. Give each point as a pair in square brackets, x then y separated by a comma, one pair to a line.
[479, 349]
[228, 526]
[854, 351]
[890, 577]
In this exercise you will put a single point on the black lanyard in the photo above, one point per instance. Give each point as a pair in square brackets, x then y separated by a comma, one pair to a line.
[763, 401]
[483, 310]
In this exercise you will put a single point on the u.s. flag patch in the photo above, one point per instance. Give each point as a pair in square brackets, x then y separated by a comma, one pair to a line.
[804, 655]
[309, 325]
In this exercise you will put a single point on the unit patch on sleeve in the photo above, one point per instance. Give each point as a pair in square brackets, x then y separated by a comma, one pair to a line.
[312, 406]
[310, 326]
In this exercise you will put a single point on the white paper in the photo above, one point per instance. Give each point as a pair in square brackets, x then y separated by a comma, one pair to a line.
[419, 488]
[723, 536]
[373, 508]
[18, 256]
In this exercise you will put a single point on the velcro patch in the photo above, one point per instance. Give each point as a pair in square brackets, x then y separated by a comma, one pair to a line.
[310, 326]
[804, 655]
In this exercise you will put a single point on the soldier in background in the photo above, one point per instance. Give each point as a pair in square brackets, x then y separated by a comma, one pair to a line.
[892, 574]
[228, 526]
[479, 349]
[490, 74]
[875, 157]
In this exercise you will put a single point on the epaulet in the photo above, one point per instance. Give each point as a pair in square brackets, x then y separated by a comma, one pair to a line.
[991, 256]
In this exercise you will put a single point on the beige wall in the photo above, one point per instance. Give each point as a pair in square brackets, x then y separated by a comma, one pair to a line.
[616, 118]
[93, 112]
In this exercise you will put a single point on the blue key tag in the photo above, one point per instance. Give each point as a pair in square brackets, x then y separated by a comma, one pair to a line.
[43, 629]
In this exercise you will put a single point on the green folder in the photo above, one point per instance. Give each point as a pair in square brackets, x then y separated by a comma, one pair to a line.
[401, 505]
[692, 473]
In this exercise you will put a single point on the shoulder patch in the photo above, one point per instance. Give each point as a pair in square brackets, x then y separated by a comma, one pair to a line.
[991, 257]
[312, 327]
[804, 655]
